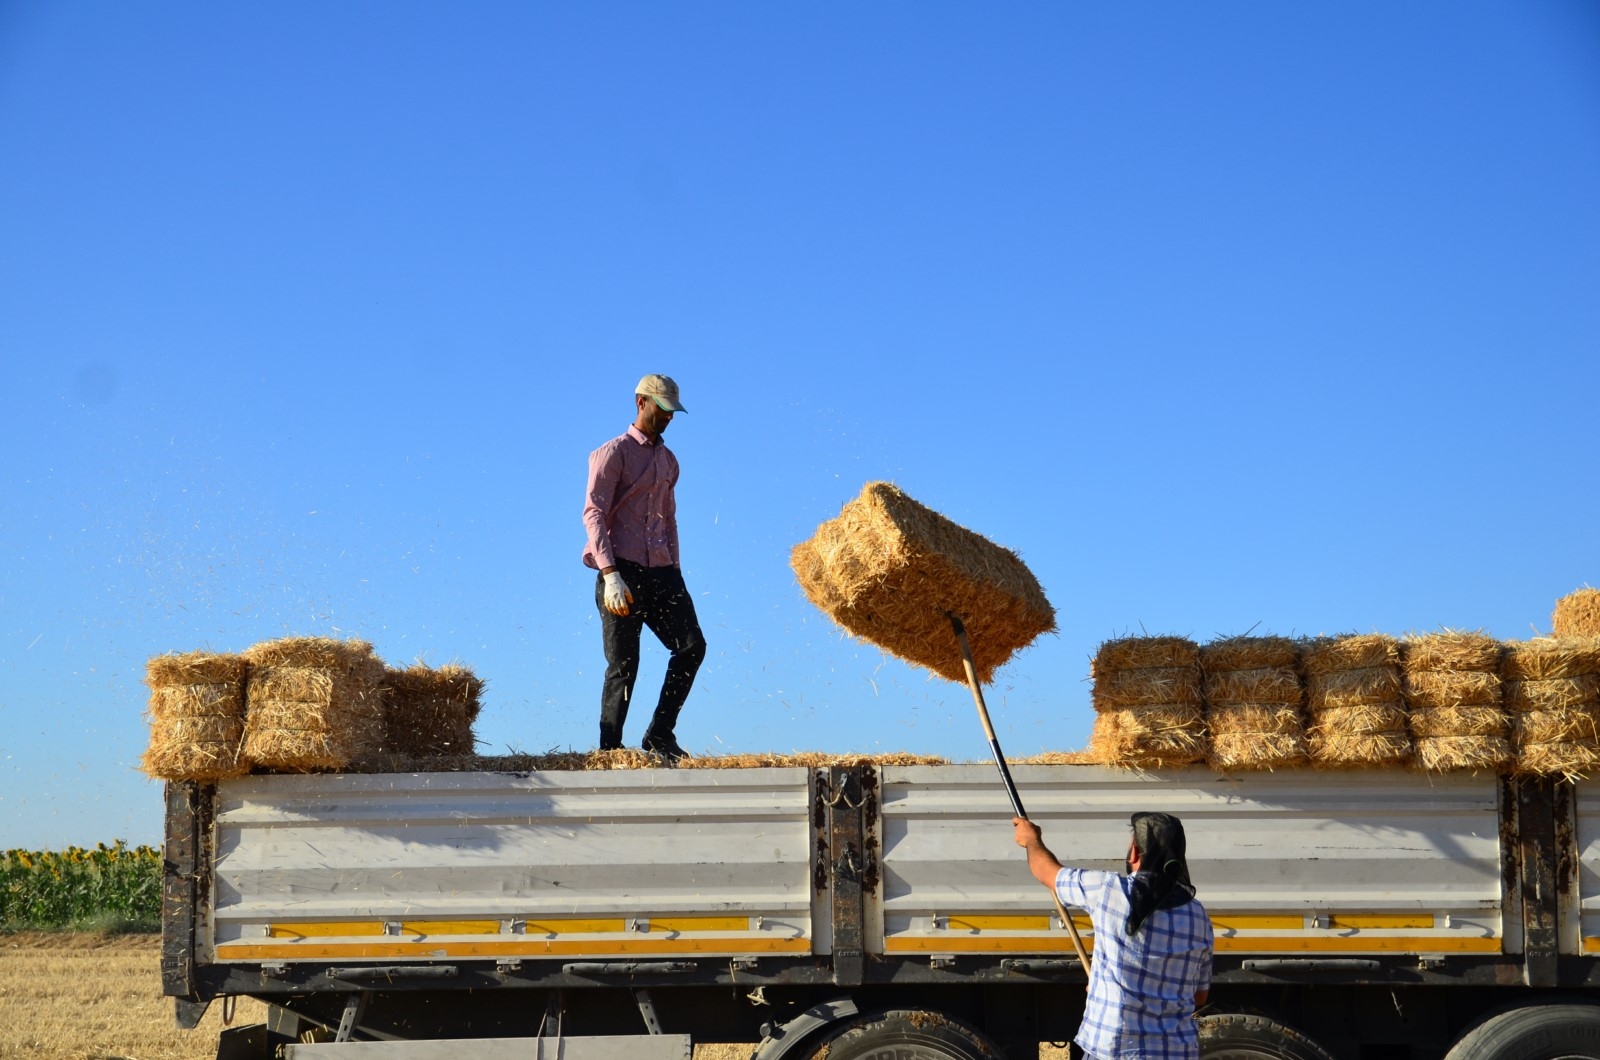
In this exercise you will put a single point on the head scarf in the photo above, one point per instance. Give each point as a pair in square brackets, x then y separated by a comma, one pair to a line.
[1162, 881]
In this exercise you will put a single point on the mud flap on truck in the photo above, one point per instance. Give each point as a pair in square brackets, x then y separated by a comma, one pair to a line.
[609, 1047]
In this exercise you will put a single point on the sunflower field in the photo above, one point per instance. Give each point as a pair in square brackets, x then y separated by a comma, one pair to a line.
[114, 886]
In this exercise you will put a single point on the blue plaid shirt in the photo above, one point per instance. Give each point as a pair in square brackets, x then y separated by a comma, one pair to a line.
[1141, 989]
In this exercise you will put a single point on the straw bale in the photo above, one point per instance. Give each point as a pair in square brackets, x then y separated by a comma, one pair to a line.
[1444, 754]
[1436, 689]
[171, 702]
[313, 703]
[1237, 719]
[1149, 737]
[194, 668]
[1365, 719]
[203, 748]
[1549, 657]
[1148, 686]
[1577, 614]
[1465, 720]
[1450, 650]
[1327, 655]
[1570, 725]
[1331, 749]
[1366, 686]
[1249, 653]
[1256, 750]
[1144, 653]
[1552, 693]
[428, 711]
[1574, 761]
[891, 572]
[1276, 684]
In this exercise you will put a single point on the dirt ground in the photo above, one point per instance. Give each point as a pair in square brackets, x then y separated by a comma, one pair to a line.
[92, 997]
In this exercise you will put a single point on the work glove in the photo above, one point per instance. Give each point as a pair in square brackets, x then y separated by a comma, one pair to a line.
[618, 596]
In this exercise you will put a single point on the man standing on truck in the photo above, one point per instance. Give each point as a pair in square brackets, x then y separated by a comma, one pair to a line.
[631, 517]
[1152, 942]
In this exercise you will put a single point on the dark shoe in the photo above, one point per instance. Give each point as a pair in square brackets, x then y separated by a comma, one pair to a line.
[665, 746]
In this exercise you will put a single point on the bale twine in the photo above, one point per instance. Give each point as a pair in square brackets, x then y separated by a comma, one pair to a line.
[1354, 704]
[1149, 703]
[429, 712]
[313, 703]
[892, 571]
[1577, 614]
[196, 712]
[1552, 693]
[1254, 703]
[1453, 695]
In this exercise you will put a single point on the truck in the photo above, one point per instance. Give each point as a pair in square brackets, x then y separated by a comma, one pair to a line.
[868, 911]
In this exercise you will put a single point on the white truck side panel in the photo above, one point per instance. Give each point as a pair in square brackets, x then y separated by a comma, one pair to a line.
[1297, 861]
[720, 856]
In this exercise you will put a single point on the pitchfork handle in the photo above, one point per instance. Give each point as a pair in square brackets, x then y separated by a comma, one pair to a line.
[983, 716]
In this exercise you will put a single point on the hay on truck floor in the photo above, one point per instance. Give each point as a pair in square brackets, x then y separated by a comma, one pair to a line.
[891, 571]
[1453, 696]
[1552, 693]
[1355, 711]
[429, 711]
[628, 758]
[1577, 614]
[1149, 703]
[1254, 703]
[196, 711]
[313, 703]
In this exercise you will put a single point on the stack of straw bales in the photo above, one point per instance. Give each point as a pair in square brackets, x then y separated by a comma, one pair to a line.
[314, 703]
[197, 712]
[1452, 691]
[1577, 614]
[1552, 691]
[1356, 712]
[1254, 703]
[1148, 702]
[892, 572]
[429, 712]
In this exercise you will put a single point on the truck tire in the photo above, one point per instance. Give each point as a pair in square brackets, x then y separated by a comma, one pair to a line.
[1551, 1031]
[901, 1035]
[1241, 1036]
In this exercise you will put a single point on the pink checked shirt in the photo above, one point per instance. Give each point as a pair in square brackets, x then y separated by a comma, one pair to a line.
[629, 510]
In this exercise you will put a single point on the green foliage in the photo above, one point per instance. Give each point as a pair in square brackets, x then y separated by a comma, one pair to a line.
[110, 888]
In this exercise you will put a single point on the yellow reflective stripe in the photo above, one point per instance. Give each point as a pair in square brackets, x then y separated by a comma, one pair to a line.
[700, 923]
[1272, 922]
[325, 929]
[1591, 944]
[1356, 944]
[606, 926]
[449, 927]
[507, 946]
[1381, 920]
[997, 923]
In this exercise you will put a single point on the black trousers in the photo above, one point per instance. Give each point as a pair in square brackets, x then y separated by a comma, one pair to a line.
[662, 602]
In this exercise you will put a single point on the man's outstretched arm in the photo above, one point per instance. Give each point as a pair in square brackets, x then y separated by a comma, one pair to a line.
[1041, 862]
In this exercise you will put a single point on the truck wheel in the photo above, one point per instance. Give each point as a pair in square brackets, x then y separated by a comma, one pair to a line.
[902, 1035]
[1240, 1036]
[1561, 1031]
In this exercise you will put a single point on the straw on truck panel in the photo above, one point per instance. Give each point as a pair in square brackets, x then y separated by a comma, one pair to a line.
[196, 713]
[892, 571]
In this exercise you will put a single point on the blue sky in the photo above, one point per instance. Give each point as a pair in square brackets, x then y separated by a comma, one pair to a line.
[1226, 317]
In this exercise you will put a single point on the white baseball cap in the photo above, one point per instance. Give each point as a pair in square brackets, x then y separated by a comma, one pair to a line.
[663, 390]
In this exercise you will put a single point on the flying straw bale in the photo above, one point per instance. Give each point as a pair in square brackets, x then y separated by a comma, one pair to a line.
[429, 712]
[1149, 703]
[1552, 693]
[196, 712]
[1452, 690]
[313, 703]
[1356, 715]
[1254, 703]
[892, 571]
[1577, 614]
